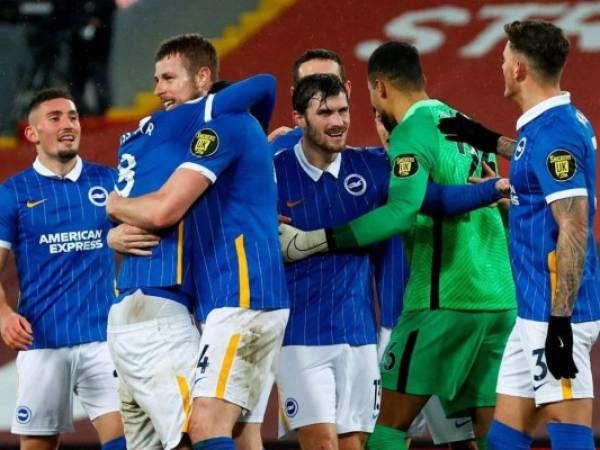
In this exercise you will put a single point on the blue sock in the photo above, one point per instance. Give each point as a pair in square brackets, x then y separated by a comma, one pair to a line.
[570, 436]
[116, 444]
[219, 443]
[503, 437]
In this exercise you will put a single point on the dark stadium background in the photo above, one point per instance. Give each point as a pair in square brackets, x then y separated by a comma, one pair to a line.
[461, 43]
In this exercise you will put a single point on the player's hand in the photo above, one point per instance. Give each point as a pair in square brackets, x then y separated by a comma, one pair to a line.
[502, 184]
[278, 132]
[297, 244]
[132, 240]
[284, 219]
[463, 129]
[559, 348]
[15, 330]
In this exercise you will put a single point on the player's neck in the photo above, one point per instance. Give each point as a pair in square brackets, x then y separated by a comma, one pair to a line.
[535, 93]
[404, 101]
[56, 166]
[316, 155]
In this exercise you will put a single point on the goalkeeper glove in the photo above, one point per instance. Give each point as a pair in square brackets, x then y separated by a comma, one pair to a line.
[297, 244]
[559, 348]
[462, 129]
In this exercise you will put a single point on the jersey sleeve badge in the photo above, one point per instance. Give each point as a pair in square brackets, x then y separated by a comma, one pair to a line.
[205, 143]
[405, 165]
[561, 165]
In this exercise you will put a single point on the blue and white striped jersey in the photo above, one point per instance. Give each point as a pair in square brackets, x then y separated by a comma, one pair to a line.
[554, 158]
[57, 229]
[237, 259]
[331, 299]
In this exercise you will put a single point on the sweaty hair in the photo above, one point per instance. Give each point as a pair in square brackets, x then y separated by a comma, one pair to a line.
[318, 53]
[399, 63]
[196, 50]
[320, 86]
[47, 94]
[542, 43]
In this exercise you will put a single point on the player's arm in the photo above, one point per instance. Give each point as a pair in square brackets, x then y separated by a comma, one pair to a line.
[125, 238]
[463, 129]
[256, 94]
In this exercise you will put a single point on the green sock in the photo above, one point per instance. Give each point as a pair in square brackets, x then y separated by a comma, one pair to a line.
[481, 443]
[386, 438]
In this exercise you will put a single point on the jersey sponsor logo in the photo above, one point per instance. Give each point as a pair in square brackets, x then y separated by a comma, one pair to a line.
[70, 241]
[405, 166]
[520, 148]
[293, 203]
[355, 184]
[98, 195]
[23, 414]
[561, 165]
[291, 407]
[205, 143]
[34, 203]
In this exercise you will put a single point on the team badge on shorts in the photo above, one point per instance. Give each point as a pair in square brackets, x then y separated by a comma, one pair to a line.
[98, 195]
[405, 166]
[205, 143]
[561, 165]
[355, 184]
[291, 407]
[23, 414]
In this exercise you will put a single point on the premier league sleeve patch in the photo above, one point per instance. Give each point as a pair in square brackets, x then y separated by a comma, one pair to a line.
[561, 165]
[405, 166]
[205, 143]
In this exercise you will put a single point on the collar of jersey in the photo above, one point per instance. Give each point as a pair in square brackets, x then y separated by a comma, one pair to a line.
[420, 104]
[314, 172]
[73, 175]
[558, 100]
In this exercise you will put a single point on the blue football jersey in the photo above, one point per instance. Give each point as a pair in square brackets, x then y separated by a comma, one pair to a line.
[57, 230]
[554, 158]
[237, 259]
[331, 295]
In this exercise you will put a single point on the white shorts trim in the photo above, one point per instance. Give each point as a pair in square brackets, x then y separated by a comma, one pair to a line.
[523, 371]
[239, 349]
[338, 384]
[48, 378]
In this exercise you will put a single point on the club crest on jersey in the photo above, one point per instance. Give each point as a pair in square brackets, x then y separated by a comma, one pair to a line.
[291, 407]
[520, 148]
[98, 195]
[205, 143]
[561, 165]
[23, 414]
[355, 184]
[405, 166]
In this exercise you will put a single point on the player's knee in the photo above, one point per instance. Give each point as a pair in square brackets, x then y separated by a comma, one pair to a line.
[570, 436]
[503, 437]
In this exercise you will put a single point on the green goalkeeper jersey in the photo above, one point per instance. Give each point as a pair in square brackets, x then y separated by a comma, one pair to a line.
[456, 262]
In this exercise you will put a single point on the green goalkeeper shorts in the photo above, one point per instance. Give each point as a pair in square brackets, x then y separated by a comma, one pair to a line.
[452, 354]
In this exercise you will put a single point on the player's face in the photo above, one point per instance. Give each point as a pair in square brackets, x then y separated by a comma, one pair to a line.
[384, 135]
[173, 82]
[321, 66]
[326, 123]
[509, 62]
[54, 128]
[379, 104]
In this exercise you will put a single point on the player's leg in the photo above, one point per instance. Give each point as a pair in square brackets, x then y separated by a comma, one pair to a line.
[44, 399]
[352, 441]
[247, 432]
[156, 361]
[306, 384]
[240, 346]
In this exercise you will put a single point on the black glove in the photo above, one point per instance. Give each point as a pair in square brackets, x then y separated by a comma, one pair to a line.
[462, 129]
[559, 348]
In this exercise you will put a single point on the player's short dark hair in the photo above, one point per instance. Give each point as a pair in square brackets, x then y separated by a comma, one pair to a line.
[318, 53]
[543, 44]
[48, 94]
[399, 63]
[322, 85]
[196, 50]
